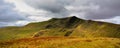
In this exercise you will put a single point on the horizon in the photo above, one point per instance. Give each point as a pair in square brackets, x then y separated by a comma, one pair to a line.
[56, 18]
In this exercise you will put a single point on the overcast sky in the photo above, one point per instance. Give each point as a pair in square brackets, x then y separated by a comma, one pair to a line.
[22, 12]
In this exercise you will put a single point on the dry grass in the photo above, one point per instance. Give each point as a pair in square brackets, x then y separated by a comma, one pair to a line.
[62, 42]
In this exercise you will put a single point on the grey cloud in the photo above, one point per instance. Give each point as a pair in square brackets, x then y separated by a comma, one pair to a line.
[8, 14]
[55, 7]
[108, 9]
[3, 24]
[91, 9]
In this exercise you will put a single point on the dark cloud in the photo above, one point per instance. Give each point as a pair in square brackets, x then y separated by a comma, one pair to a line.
[55, 7]
[93, 9]
[87, 9]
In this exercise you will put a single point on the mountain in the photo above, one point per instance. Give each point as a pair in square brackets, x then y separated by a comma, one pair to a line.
[69, 26]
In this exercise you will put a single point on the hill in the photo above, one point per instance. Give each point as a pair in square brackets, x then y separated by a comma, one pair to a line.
[69, 26]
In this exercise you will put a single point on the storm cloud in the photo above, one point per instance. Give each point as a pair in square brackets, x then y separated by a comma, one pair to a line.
[92, 9]
[21, 12]
[55, 7]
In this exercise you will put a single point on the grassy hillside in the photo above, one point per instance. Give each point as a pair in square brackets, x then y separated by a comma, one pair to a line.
[69, 26]
[62, 42]
[97, 29]
[52, 27]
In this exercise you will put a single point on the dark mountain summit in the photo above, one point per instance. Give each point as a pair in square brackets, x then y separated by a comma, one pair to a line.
[67, 22]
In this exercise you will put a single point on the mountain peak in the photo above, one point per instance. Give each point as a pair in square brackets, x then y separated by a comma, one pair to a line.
[66, 22]
[74, 17]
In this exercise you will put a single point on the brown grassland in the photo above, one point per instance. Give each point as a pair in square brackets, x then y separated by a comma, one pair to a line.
[62, 42]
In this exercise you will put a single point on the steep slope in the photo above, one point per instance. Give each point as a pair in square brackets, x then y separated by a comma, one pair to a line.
[97, 29]
[56, 26]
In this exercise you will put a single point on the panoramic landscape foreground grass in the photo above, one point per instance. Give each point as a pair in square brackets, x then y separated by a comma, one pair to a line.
[62, 42]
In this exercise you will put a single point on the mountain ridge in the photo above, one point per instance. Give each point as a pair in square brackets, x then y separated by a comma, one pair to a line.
[74, 17]
[69, 26]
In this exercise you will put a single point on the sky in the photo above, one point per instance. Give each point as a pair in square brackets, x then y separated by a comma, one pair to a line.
[22, 12]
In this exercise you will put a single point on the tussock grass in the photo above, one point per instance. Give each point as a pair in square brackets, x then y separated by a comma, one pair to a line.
[62, 42]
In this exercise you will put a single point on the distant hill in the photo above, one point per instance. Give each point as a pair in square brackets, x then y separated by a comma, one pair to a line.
[69, 26]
